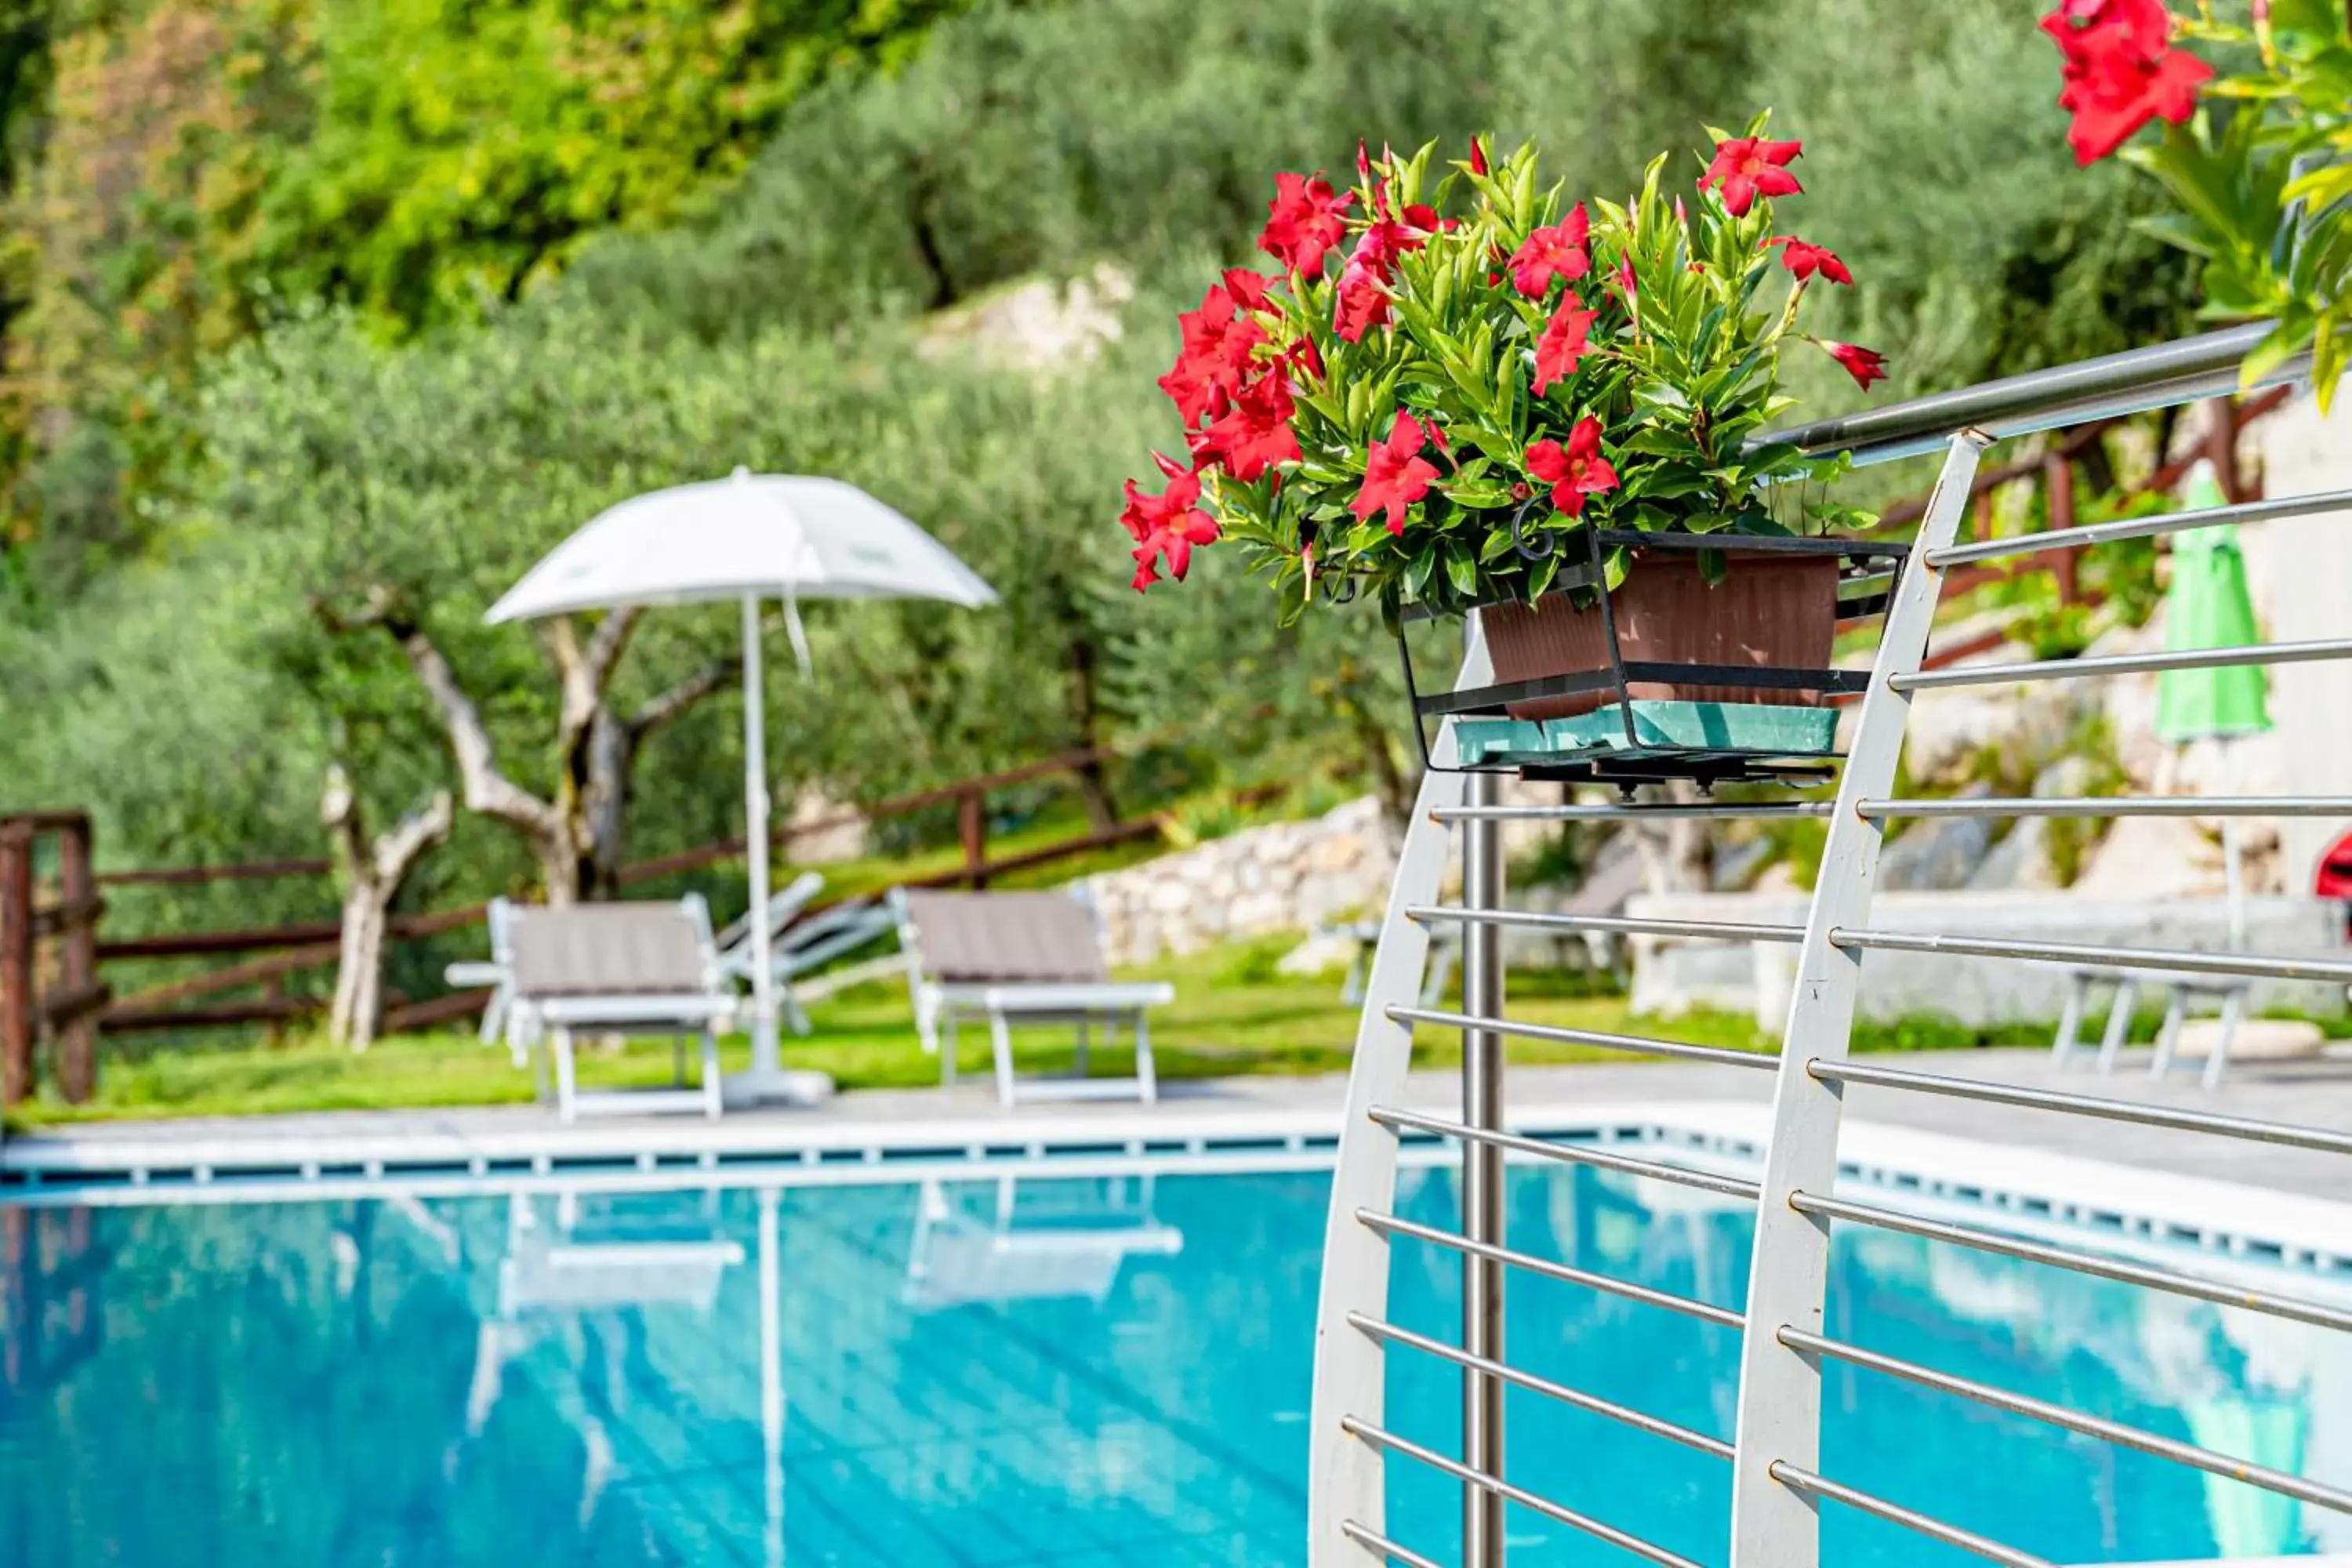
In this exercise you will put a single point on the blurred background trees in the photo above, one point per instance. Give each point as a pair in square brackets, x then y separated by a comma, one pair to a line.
[305, 298]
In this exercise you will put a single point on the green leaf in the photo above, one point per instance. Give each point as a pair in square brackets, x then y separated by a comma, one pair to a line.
[1461, 570]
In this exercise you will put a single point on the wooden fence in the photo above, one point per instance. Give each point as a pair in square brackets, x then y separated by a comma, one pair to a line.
[51, 943]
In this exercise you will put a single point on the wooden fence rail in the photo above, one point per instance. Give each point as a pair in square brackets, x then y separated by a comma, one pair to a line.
[66, 1005]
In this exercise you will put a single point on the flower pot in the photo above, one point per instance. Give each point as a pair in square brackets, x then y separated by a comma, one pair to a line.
[1772, 609]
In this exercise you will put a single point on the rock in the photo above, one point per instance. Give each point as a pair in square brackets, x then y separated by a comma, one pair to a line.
[1336, 853]
[2020, 860]
[2151, 858]
[1323, 953]
[822, 831]
[2257, 1040]
[1938, 852]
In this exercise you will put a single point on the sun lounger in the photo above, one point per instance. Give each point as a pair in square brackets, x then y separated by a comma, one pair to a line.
[1033, 958]
[802, 946]
[626, 968]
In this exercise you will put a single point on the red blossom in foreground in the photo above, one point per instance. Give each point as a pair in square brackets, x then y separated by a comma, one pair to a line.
[1256, 435]
[1805, 261]
[1573, 471]
[1215, 359]
[1477, 155]
[1563, 345]
[1166, 525]
[1304, 221]
[2121, 71]
[1247, 288]
[1361, 302]
[1556, 251]
[1360, 305]
[1865, 365]
[1747, 167]
[1395, 473]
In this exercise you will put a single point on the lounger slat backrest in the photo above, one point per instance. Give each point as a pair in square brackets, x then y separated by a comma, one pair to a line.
[611, 950]
[971, 939]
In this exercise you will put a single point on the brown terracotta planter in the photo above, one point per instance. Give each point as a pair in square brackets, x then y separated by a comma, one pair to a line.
[1770, 609]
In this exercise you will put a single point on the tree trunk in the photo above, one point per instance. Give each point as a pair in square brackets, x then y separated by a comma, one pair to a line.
[372, 872]
[576, 838]
[1085, 702]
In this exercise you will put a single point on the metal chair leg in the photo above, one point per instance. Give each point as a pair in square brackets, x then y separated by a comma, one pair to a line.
[1083, 1022]
[1147, 1077]
[566, 1086]
[713, 1088]
[2176, 1009]
[2070, 1022]
[2119, 1022]
[948, 1048]
[2234, 1012]
[1000, 1039]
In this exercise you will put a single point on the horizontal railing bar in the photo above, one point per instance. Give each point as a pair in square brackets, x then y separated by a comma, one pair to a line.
[2114, 805]
[2141, 527]
[1603, 811]
[1385, 1547]
[2287, 1134]
[2079, 1262]
[1635, 1044]
[1520, 1495]
[2126, 664]
[1654, 1425]
[1628, 925]
[1804, 1481]
[1570, 1154]
[2183, 371]
[1396, 1225]
[2058, 1416]
[2184, 961]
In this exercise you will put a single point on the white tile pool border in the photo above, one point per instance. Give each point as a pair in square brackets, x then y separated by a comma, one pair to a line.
[2029, 1191]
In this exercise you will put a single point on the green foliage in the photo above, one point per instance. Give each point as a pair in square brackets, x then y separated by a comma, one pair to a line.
[1668, 374]
[2262, 177]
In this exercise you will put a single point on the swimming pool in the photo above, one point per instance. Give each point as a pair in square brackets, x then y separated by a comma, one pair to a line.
[1026, 1372]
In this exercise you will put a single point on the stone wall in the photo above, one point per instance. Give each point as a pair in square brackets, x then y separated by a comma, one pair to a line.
[1285, 877]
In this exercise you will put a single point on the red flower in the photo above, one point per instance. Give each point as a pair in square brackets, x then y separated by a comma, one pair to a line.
[1304, 221]
[1865, 365]
[1305, 358]
[2121, 71]
[1625, 276]
[1746, 167]
[1563, 342]
[1247, 288]
[1216, 358]
[1395, 473]
[1362, 304]
[1477, 155]
[1256, 435]
[1804, 261]
[1167, 525]
[1554, 252]
[1576, 470]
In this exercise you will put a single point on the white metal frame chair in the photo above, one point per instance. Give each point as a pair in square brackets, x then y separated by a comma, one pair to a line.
[958, 1257]
[808, 945]
[1035, 958]
[620, 968]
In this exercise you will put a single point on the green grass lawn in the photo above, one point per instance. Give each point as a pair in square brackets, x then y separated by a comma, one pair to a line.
[1233, 1014]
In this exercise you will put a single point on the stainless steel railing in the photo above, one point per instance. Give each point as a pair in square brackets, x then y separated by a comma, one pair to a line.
[1777, 1482]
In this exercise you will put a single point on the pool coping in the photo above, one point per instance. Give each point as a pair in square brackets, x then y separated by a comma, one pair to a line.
[2236, 1228]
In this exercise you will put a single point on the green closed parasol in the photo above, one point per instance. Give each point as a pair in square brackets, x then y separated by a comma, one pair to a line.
[2208, 606]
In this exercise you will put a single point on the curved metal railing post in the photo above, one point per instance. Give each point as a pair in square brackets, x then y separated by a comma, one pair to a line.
[1346, 1499]
[1774, 1524]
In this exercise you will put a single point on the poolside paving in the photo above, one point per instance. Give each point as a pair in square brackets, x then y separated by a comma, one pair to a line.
[2312, 1093]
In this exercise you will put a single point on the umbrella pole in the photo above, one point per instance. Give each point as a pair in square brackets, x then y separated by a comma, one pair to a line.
[766, 1057]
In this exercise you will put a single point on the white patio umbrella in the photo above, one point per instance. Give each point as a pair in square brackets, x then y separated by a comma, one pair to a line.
[750, 538]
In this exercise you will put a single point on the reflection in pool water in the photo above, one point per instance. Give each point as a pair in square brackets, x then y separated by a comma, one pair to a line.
[1066, 1373]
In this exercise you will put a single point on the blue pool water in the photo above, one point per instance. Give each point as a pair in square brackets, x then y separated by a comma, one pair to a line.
[1064, 1373]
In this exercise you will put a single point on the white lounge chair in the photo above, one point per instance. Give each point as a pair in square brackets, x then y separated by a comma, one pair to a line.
[624, 968]
[801, 946]
[1035, 958]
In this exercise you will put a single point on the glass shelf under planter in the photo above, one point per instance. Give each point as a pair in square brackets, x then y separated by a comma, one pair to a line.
[1629, 739]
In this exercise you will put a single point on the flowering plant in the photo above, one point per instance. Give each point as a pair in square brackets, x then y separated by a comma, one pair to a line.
[1443, 383]
[2260, 159]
